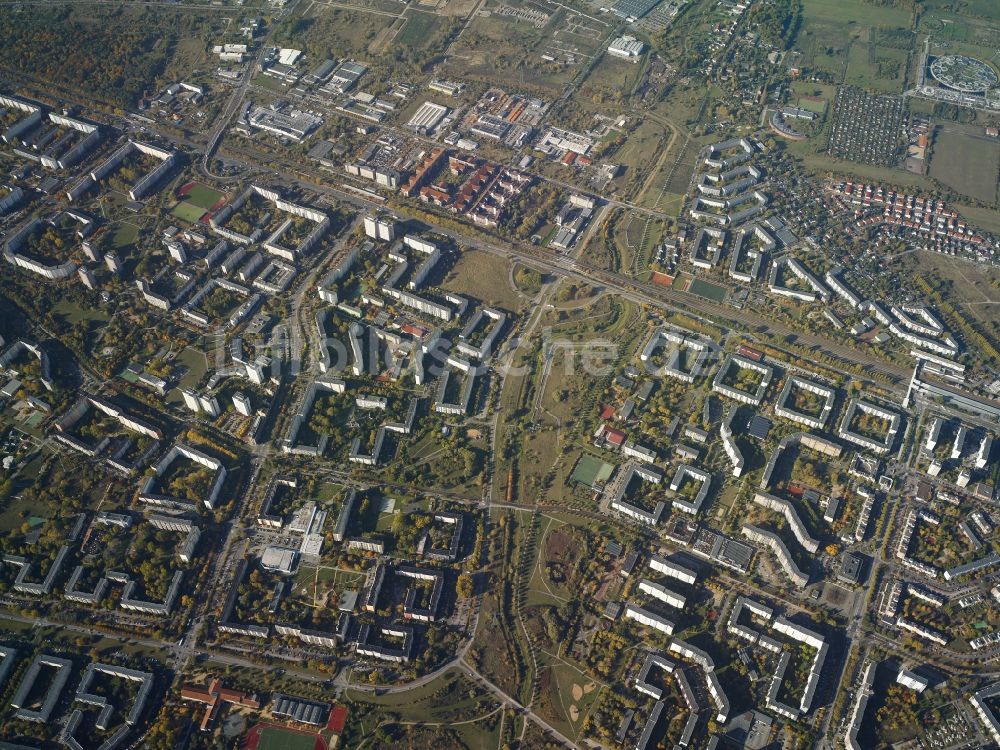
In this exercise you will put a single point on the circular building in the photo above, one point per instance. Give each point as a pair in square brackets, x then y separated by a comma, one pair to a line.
[961, 73]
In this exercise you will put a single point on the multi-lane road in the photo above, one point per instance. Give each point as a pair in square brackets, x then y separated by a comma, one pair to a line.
[754, 324]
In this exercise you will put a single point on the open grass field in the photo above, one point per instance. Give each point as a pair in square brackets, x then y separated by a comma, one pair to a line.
[271, 83]
[612, 78]
[961, 23]
[823, 49]
[449, 700]
[197, 365]
[322, 32]
[855, 11]
[502, 51]
[485, 277]
[643, 152]
[814, 97]
[823, 163]
[965, 7]
[188, 212]
[541, 588]
[637, 238]
[850, 50]
[676, 173]
[967, 162]
[567, 695]
[125, 235]
[984, 218]
[975, 287]
[328, 491]
[419, 27]
[76, 314]
[15, 626]
[874, 67]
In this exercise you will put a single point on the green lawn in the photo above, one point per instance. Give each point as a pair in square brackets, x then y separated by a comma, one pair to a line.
[816, 107]
[75, 314]
[270, 83]
[329, 491]
[125, 235]
[196, 363]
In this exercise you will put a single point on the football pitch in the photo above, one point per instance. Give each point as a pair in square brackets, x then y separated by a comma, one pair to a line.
[188, 212]
[201, 195]
[274, 738]
[713, 292]
[591, 470]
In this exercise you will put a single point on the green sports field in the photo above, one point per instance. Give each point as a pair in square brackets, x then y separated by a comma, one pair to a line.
[203, 196]
[713, 292]
[188, 212]
[273, 738]
[591, 470]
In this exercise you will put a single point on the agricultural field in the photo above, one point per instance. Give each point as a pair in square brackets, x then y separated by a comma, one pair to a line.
[967, 161]
[417, 29]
